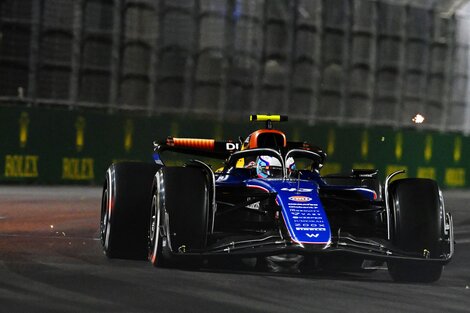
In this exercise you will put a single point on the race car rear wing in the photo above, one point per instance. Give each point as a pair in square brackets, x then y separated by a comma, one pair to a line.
[196, 146]
[212, 148]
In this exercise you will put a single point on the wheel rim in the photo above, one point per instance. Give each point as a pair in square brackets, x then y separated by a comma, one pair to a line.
[154, 235]
[104, 225]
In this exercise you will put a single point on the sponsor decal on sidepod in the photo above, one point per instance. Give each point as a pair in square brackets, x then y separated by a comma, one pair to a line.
[300, 199]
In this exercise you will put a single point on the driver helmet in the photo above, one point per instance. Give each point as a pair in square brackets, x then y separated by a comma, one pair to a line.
[268, 167]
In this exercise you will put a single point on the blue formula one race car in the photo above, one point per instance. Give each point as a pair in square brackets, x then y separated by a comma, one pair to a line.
[269, 202]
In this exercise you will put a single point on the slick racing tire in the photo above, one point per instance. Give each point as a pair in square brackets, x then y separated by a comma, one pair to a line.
[417, 211]
[159, 253]
[179, 219]
[125, 209]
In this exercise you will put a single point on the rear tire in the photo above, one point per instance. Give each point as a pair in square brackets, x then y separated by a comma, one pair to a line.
[417, 228]
[125, 209]
[181, 209]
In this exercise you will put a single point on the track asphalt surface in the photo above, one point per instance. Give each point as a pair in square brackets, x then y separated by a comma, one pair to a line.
[51, 261]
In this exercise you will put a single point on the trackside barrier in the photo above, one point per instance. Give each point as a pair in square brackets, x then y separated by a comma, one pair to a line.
[56, 146]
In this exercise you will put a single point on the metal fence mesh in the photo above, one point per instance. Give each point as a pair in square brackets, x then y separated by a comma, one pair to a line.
[343, 61]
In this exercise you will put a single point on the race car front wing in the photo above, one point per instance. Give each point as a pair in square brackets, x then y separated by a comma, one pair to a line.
[345, 244]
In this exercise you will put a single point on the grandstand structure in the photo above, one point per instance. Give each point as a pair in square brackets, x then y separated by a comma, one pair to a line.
[366, 62]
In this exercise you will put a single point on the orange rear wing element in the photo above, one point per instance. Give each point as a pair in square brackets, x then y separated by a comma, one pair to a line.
[191, 143]
[198, 146]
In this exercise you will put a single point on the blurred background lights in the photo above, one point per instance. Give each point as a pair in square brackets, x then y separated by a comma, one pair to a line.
[418, 119]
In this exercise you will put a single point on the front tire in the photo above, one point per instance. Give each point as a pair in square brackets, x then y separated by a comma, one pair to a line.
[418, 215]
[159, 252]
[125, 209]
[179, 221]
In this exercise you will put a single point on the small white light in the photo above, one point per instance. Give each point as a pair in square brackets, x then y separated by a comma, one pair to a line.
[418, 119]
[52, 226]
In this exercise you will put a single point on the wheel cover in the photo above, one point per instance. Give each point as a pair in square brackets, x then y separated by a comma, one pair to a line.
[106, 211]
[104, 215]
[105, 227]
[154, 233]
